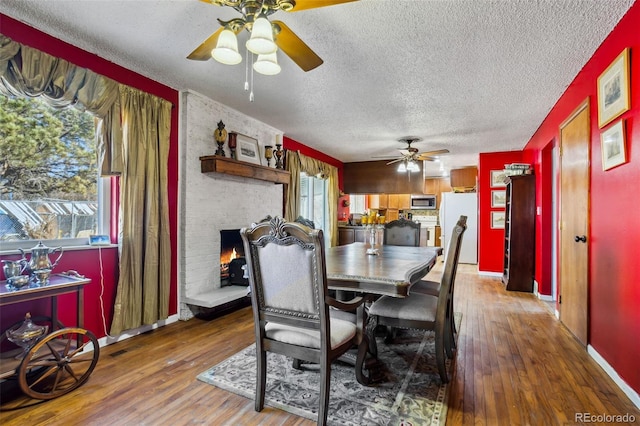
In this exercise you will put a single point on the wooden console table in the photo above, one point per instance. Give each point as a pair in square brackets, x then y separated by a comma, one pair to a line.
[58, 284]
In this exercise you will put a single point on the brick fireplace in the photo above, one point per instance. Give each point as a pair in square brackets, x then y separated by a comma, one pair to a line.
[212, 202]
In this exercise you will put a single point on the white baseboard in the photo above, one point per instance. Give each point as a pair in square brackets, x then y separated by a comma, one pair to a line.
[109, 340]
[490, 273]
[545, 297]
[632, 394]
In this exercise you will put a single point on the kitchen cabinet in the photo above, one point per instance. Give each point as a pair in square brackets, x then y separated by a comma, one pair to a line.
[519, 233]
[376, 177]
[351, 234]
[393, 201]
[464, 178]
[404, 201]
[436, 186]
[378, 201]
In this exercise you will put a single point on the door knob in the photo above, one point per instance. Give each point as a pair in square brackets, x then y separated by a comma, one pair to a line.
[582, 238]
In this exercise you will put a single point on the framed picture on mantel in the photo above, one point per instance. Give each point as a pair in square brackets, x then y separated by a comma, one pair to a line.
[247, 149]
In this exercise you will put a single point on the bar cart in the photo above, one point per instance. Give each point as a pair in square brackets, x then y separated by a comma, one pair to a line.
[53, 363]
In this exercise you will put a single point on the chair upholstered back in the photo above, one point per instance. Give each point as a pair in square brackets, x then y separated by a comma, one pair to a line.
[402, 232]
[453, 254]
[288, 277]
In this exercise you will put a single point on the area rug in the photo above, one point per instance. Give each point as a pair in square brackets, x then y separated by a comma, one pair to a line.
[411, 392]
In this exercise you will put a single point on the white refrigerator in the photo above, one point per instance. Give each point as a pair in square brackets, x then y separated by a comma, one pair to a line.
[452, 206]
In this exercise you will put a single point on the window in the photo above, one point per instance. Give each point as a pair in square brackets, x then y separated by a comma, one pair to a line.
[313, 201]
[357, 203]
[49, 184]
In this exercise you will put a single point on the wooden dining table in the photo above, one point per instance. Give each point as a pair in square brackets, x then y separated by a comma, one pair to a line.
[389, 273]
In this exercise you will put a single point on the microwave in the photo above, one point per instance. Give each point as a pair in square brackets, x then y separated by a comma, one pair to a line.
[423, 202]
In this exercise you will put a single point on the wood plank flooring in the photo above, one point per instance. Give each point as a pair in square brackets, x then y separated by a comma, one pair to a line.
[516, 365]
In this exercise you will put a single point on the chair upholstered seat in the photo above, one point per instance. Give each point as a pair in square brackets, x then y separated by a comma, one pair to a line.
[417, 307]
[341, 332]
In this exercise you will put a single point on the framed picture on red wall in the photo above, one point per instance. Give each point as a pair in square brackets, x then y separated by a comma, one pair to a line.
[613, 146]
[498, 198]
[497, 220]
[613, 90]
[497, 179]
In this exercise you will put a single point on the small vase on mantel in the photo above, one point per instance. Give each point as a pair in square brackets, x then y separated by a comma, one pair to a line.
[233, 143]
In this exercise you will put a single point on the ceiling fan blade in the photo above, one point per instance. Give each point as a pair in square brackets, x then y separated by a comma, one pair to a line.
[203, 52]
[312, 4]
[296, 49]
[395, 161]
[429, 154]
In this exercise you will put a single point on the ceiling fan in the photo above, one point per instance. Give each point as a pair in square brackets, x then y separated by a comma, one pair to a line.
[412, 154]
[252, 11]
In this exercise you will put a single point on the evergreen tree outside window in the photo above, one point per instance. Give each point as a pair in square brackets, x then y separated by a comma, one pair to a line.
[49, 184]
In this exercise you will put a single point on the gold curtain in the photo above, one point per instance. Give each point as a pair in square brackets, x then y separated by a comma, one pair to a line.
[25, 71]
[133, 133]
[298, 163]
[143, 288]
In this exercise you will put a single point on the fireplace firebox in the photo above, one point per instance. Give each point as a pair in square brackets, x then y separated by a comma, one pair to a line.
[232, 258]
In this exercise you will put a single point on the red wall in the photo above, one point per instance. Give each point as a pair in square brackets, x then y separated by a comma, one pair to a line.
[86, 262]
[614, 271]
[491, 241]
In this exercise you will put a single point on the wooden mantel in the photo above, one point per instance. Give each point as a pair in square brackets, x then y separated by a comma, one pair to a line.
[214, 163]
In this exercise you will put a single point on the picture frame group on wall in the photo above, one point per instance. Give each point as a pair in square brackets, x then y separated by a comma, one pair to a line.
[613, 146]
[247, 149]
[613, 90]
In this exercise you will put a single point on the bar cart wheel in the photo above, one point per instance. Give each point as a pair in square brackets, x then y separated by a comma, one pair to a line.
[58, 364]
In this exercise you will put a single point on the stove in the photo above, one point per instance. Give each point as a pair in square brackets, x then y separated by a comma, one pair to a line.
[426, 220]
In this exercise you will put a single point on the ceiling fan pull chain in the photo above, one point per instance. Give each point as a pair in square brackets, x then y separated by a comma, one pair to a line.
[251, 93]
[246, 71]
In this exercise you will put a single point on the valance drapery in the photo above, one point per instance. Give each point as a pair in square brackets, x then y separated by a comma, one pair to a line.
[25, 71]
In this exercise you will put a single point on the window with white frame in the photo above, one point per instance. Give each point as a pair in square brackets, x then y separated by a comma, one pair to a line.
[49, 182]
[313, 200]
[356, 203]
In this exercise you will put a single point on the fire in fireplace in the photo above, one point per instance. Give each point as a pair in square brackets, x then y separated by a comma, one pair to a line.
[231, 258]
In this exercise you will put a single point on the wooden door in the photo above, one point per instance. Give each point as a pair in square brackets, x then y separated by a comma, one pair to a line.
[574, 222]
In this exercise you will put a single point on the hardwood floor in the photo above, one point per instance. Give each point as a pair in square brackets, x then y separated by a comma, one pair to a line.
[516, 365]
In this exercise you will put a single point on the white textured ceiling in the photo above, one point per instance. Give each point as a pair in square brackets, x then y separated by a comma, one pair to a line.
[467, 75]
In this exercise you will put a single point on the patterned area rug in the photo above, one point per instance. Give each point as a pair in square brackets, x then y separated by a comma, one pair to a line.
[410, 394]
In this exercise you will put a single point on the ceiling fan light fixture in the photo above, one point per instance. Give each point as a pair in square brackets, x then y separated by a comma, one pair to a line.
[261, 40]
[402, 168]
[412, 166]
[226, 50]
[267, 64]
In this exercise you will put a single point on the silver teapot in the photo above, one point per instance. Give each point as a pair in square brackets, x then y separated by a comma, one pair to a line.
[39, 264]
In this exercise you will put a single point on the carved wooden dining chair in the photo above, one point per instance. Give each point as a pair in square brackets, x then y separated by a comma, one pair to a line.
[423, 311]
[433, 288]
[402, 232]
[289, 295]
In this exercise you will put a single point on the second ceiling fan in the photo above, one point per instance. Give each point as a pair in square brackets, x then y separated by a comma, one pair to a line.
[411, 155]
